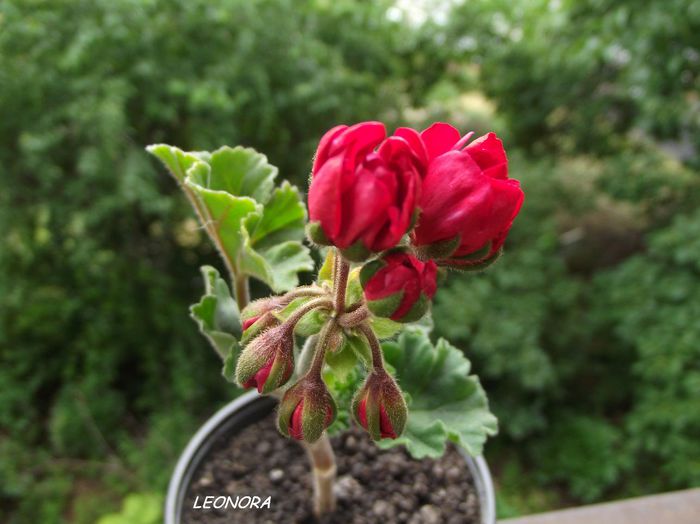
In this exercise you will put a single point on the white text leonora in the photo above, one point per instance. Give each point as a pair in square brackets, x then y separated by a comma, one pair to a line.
[222, 502]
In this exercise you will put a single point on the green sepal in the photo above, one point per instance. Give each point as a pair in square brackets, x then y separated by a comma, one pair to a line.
[476, 255]
[325, 274]
[259, 307]
[266, 321]
[280, 372]
[314, 414]
[418, 309]
[356, 252]
[353, 293]
[316, 235]
[438, 250]
[384, 327]
[387, 306]
[286, 407]
[457, 265]
[369, 270]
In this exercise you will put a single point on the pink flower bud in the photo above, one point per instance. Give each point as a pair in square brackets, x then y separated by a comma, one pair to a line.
[379, 406]
[306, 410]
[267, 362]
[468, 203]
[399, 286]
[364, 188]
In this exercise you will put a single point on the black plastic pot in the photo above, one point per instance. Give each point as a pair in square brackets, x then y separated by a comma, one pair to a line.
[247, 410]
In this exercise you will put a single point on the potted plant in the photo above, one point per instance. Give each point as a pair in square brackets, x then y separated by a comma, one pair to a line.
[347, 359]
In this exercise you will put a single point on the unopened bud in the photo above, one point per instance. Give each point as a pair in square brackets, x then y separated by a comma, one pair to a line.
[267, 362]
[306, 410]
[399, 286]
[379, 406]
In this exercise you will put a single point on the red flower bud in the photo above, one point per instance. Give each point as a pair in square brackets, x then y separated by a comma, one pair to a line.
[379, 406]
[468, 203]
[267, 362]
[399, 286]
[257, 308]
[364, 188]
[306, 410]
[385, 428]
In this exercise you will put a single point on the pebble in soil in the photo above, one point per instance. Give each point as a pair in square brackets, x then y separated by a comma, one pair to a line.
[373, 486]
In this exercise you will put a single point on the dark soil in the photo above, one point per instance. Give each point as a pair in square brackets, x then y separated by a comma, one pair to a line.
[372, 485]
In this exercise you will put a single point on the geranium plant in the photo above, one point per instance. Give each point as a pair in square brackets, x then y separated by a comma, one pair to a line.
[390, 216]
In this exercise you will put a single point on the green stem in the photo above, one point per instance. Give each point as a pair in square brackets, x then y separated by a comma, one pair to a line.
[323, 471]
[295, 317]
[340, 282]
[375, 347]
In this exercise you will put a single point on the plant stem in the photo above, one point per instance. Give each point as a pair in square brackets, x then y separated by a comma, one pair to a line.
[320, 453]
[323, 472]
[373, 344]
[242, 291]
[340, 282]
[321, 302]
[306, 355]
[354, 318]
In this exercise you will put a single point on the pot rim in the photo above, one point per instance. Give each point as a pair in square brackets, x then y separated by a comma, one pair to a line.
[186, 465]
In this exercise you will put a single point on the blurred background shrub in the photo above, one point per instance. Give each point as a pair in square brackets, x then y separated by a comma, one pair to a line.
[586, 334]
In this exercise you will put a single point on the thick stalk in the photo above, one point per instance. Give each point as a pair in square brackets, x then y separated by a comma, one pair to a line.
[373, 345]
[320, 453]
[323, 472]
[340, 282]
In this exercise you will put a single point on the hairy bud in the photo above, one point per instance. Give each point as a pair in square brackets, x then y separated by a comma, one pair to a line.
[399, 286]
[306, 410]
[379, 406]
[267, 362]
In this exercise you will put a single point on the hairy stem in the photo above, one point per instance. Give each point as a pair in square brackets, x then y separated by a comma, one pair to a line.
[354, 318]
[306, 355]
[374, 346]
[323, 472]
[295, 317]
[340, 282]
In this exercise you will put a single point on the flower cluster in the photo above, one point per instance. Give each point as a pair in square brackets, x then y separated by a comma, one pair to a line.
[403, 206]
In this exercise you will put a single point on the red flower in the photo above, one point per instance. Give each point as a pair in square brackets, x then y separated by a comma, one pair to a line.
[364, 188]
[468, 203]
[399, 286]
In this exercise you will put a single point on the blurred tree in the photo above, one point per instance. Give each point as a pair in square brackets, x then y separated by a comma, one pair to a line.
[99, 253]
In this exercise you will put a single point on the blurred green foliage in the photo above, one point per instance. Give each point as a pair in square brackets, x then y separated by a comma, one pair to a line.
[585, 334]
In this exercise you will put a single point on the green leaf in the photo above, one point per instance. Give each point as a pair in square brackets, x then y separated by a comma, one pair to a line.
[217, 315]
[137, 508]
[444, 401]
[384, 327]
[177, 161]
[257, 227]
[344, 360]
[242, 171]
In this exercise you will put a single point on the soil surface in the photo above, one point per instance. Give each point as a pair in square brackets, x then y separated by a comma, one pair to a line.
[373, 486]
